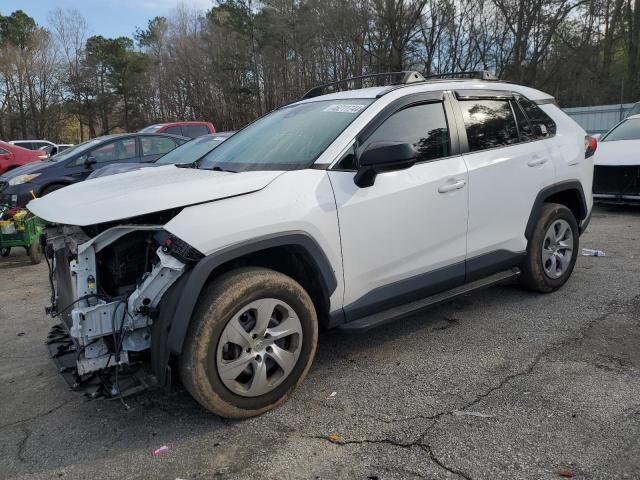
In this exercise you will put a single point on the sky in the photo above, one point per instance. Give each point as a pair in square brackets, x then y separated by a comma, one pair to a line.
[109, 18]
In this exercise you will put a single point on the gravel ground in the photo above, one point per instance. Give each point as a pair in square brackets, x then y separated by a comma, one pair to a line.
[497, 384]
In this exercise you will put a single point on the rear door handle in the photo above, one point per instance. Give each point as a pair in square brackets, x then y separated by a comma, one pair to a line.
[450, 187]
[537, 161]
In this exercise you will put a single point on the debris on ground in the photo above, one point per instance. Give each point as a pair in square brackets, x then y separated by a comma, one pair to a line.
[461, 413]
[160, 451]
[588, 252]
[335, 438]
[566, 473]
[332, 396]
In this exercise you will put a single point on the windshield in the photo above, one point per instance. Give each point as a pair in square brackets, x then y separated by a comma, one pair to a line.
[71, 151]
[288, 139]
[192, 150]
[627, 130]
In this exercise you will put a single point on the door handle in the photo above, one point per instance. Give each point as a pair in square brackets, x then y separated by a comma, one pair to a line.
[450, 187]
[537, 161]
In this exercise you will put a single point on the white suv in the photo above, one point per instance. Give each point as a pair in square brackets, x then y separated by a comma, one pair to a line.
[344, 210]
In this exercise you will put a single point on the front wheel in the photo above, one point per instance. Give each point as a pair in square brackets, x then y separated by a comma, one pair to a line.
[552, 250]
[251, 341]
[35, 252]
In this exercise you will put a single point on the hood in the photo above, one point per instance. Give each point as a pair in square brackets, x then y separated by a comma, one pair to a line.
[618, 153]
[144, 191]
[33, 167]
[118, 168]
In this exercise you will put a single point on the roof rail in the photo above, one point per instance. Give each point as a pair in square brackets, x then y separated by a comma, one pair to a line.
[473, 74]
[402, 78]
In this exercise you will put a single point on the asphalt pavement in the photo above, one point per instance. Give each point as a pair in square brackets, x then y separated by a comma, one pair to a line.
[499, 384]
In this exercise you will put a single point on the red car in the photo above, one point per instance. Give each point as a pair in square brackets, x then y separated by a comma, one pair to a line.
[186, 129]
[12, 156]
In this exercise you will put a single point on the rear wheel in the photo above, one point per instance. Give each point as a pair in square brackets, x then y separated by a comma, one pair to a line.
[251, 341]
[552, 250]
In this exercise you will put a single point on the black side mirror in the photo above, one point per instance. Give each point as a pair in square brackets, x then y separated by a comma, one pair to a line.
[90, 162]
[381, 157]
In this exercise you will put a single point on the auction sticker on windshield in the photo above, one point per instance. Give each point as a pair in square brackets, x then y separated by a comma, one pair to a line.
[344, 108]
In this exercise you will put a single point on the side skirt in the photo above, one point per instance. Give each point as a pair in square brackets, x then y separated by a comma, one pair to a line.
[386, 316]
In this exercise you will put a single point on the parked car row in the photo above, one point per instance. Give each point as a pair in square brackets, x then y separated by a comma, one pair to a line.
[22, 177]
[99, 157]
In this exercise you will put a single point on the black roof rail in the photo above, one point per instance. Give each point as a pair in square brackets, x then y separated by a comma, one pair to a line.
[472, 75]
[402, 78]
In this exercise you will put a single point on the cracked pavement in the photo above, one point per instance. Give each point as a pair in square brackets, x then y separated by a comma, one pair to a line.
[499, 384]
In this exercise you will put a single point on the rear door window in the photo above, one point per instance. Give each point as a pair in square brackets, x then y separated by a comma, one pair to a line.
[156, 145]
[542, 124]
[194, 131]
[175, 130]
[524, 127]
[489, 123]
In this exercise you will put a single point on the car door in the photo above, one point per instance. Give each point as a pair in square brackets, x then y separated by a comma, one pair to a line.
[507, 168]
[154, 146]
[404, 237]
[119, 150]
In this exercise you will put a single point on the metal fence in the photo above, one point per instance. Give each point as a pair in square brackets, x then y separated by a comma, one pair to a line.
[600, 118]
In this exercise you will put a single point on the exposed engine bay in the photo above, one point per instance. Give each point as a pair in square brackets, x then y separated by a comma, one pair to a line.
[106, 290]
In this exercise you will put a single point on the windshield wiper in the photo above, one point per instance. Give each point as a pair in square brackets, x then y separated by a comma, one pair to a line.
[187, 165]
[220, 169]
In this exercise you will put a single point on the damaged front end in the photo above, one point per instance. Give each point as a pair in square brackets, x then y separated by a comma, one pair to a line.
[106, 288]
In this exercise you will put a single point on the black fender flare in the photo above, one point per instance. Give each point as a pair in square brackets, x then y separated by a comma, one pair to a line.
[547, 192]
[185, 296]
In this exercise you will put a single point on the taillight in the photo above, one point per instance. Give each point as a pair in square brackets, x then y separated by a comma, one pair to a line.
[590, 146]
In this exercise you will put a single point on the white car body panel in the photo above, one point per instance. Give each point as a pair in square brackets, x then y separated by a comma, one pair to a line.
[401, 226]
[618, 153]
[139, 192]
[502, 190]
[567, 152]
[297, 201]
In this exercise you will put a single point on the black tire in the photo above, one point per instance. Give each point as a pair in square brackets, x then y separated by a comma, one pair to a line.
[51, 188]
[219, 303]
[5, 251]
[533, 274]
[35, 252]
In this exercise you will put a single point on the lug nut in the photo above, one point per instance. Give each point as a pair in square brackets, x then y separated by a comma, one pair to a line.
[254, 336]
[258, 358]
[269, 349]
[267, 335]
[248, 350]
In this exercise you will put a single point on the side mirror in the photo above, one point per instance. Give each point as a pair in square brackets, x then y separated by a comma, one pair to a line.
[89, 162]
[540, 130]
[381, 157]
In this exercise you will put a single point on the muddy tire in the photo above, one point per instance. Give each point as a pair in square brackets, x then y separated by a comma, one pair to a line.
[250, 343]
[552, 250]
[35, 252]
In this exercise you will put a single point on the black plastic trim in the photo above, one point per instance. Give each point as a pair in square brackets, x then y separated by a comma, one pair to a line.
[552, 190]
[202, 270]
[490, 263]
[405, 291]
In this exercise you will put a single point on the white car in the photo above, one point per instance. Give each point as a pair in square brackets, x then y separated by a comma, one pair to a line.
[344, 210]
[616, 178]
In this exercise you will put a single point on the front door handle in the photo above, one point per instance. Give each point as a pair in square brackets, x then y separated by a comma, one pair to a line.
[537, 161]
[450, 187]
